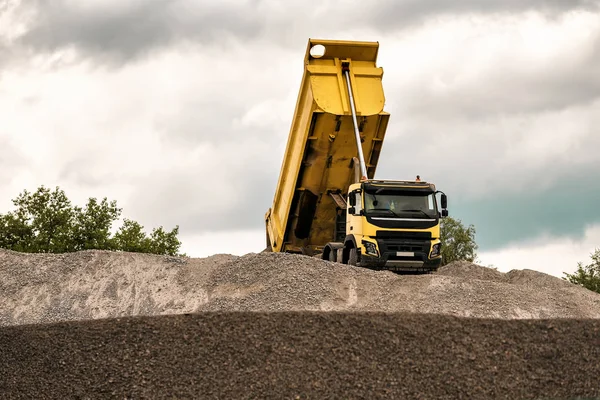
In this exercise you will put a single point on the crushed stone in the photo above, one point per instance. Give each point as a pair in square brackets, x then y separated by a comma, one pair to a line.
[302, 355]
[43, 288]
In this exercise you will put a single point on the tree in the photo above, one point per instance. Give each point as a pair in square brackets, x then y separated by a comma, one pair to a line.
[162, 242]
[41, 223]
[458, 242]
[587, 276]
[91, 225]
[131, 237]
[46, 222]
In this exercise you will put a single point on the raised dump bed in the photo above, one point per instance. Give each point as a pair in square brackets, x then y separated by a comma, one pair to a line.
[319, 162]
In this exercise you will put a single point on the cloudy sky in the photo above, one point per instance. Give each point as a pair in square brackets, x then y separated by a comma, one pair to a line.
[180, 111]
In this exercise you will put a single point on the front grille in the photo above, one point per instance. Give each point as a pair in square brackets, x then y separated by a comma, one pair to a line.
[391, 235]
[404, 247]
[391, 247]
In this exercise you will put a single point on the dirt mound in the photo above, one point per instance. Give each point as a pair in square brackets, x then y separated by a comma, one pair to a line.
[467, 270]
[300, 356]
[37, 288]
[537, 279]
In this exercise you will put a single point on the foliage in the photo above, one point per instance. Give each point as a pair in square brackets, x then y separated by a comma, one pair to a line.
[47, 222]
[587, 276]
[458, 242]
[131, 237]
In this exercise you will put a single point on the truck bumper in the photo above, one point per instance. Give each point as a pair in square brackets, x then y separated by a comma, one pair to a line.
[416, 265]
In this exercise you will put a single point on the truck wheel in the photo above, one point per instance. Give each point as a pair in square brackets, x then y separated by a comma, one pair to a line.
[332, 256]
[353, 257]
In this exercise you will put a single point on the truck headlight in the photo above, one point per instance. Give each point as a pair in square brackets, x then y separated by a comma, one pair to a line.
[370, 248]
[435, 250]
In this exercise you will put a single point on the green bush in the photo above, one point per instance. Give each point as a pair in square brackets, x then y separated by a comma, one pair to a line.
[458, 242]
[587, 276]
[47, 222]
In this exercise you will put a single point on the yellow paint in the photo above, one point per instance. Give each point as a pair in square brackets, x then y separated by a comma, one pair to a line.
[321, 145]
[363, 230]
[323, 105]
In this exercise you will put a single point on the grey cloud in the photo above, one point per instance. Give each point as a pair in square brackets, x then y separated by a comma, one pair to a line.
[5, 57]
[201, 121]
[84, 172]
[11, 160]
[129, 31]
[509, 87]
[484, 153]
[481, 159]
[562, 210]
[182, 198]
[516, 91]
[218, 122]
[391, 13]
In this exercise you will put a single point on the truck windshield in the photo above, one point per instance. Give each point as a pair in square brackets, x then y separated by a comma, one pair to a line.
[401, 205]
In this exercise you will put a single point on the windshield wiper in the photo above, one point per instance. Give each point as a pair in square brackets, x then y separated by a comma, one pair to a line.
[415, 210]
[385, 209]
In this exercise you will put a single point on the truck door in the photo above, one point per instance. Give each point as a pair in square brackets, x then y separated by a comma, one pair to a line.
[354, 215]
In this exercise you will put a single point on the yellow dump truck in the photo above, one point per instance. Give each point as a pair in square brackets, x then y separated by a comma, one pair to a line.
[327, 201]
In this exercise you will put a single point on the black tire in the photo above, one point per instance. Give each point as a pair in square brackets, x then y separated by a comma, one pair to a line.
[332, 255]
[353, 257]
[307, 251]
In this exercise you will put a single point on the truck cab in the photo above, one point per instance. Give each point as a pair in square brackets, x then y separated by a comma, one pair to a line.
[392, 225]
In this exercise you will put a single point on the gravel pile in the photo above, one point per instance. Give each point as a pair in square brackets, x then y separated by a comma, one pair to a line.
[302, 356]
[42, 288]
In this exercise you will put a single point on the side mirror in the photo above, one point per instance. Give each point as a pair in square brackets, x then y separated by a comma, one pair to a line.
[352, 199]
[444, 201]
[352, 210]
[444, 213]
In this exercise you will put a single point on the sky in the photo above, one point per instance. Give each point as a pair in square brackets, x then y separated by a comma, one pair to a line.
[180, 110]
